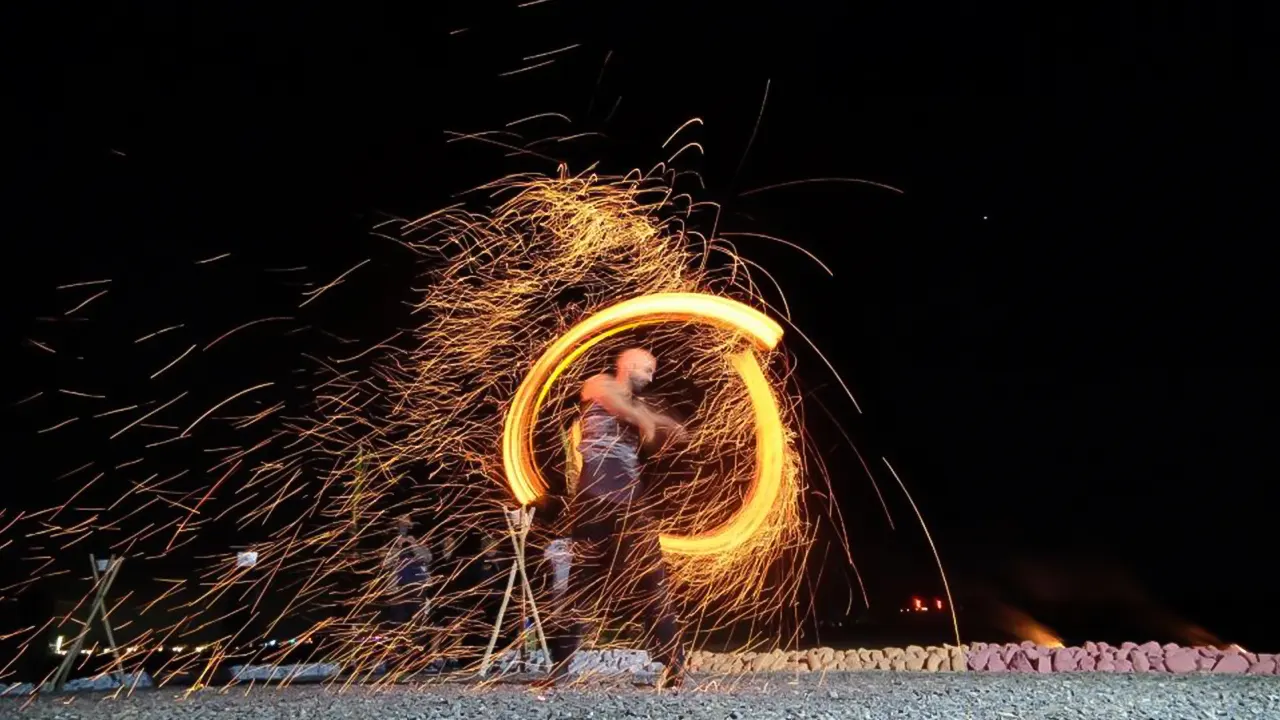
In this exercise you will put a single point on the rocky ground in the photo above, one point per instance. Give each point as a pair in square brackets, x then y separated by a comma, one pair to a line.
[764, 696]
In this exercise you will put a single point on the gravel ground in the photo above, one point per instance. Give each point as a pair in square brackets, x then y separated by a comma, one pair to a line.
[749, 697]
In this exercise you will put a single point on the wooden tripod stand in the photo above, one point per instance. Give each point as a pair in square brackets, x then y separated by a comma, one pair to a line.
[110, 568]
[518, 523]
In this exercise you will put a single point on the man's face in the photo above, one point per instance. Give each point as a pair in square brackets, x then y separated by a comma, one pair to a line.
[640, 370]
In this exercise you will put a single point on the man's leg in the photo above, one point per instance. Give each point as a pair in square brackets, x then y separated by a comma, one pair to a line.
[597, 534]
[588, 572]
[662, 625]
[401, 615]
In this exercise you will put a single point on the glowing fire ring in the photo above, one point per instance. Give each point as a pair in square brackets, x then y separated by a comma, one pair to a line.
[517, 434]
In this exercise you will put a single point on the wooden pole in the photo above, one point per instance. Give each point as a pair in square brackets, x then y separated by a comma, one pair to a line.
[106, 622]
[98, 605]
[519, 531]
[497, 623]
[526, 523]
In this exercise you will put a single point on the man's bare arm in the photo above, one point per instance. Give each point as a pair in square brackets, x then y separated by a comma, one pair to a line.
[673, 427]
[424, 554]
[602, 390]
[673, 430]
[393, 554]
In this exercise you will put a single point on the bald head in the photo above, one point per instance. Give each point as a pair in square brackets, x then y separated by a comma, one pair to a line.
[636, 367]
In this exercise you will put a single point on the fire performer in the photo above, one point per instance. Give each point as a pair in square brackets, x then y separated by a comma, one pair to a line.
[614, 545]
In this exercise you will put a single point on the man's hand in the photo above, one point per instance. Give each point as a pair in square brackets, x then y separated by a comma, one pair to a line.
[679, 433]
[673, 429]
[669, 432]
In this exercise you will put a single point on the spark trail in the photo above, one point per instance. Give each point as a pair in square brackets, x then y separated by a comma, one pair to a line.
[413, 425]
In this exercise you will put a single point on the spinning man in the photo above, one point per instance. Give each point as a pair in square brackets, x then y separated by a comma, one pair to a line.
[615, 546]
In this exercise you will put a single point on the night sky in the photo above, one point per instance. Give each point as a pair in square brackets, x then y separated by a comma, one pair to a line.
[1060, 332]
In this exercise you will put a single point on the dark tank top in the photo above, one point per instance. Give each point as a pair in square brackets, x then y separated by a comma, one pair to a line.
[610, 451]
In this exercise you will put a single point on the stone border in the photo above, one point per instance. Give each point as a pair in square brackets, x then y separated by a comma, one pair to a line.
[994, 658]
[978, 657]
[946, 658]
[1128, 657]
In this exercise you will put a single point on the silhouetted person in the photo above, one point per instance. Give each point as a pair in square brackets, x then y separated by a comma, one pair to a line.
[615, 546]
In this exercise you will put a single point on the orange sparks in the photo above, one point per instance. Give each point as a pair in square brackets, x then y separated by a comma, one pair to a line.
[172, 362]
[447, 420]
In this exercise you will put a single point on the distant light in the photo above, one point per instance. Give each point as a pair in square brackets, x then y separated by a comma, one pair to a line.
[984, 217]
[939, 602]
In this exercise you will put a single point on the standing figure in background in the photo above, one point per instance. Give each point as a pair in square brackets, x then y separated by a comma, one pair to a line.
[409, 561]
[559, 554]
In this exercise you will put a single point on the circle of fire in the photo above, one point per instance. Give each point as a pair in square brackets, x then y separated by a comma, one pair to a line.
[517, 438]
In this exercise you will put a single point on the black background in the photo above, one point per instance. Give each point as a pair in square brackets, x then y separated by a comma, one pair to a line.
[1060, 333]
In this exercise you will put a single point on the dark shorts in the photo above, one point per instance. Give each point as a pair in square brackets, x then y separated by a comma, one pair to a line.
[617, 570]
[608, 479]
[410, 599]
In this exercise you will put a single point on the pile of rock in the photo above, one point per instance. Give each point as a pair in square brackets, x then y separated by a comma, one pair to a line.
[1128, 657]
[292, 673]
[97, 683]
[610, 662]
[947, 658]
[593, 662]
